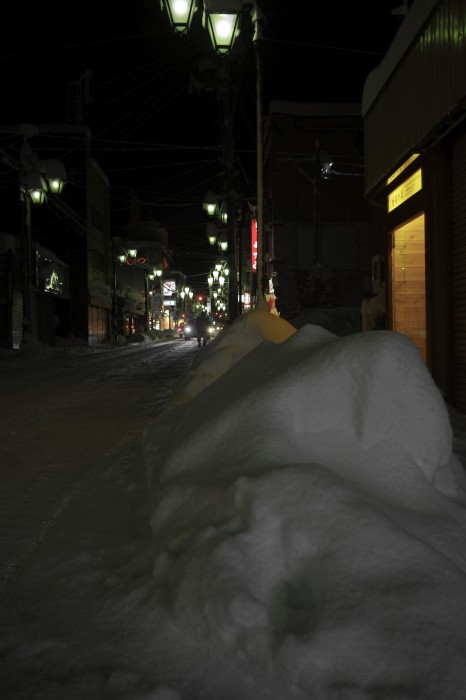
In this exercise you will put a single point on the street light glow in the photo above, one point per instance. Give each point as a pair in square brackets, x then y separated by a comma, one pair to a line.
[180, 7]
[180, 13]
[223, 29]
[224, 24]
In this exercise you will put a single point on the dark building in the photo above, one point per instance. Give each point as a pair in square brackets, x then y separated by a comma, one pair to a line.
[414, 111]
[320, 233]
[58, 265]
[61, 246]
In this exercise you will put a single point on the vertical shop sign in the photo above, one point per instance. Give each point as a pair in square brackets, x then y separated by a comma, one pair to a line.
[254, 245]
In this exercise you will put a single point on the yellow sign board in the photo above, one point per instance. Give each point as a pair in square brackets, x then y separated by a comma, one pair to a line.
[404, 191]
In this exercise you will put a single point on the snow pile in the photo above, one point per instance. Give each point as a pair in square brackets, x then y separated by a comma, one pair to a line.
[308, 521]
[229, 346]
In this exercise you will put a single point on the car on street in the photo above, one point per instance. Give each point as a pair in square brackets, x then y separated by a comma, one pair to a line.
[189, 329]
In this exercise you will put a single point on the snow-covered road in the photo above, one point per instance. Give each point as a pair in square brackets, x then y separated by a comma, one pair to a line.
[246, 578]
[70, 420]
[73, 507]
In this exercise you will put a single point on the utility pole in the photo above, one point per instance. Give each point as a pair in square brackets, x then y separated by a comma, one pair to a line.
[260, 172]
[26, 265]
[317, 270]
[230, 194]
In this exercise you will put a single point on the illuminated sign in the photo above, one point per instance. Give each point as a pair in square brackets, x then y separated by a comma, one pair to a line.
[406, 190]
[51, 278]
[54, 283]
[254, 245]
[403, 167]
[169, 287]
[136, 261]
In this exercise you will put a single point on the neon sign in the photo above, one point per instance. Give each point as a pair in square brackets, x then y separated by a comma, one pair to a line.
[254, 245]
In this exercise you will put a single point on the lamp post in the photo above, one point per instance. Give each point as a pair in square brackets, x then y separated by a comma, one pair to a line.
[39, 179]
[147, 276]
[210, 203]
[114, 331]
[152, 303]
[219, 284]
[186, 294]
[124, 254]
[222, 20]
[258, 21]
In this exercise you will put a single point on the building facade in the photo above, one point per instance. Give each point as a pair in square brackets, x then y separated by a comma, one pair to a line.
[414, 112]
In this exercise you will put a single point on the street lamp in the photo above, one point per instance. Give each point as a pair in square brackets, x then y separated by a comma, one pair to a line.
[180, 13]
[223, 213]
[34, 186]
[223, 241]
[210, 203]
[124, 256]
[127, 254]
[218, 281]
[186, 294]
[40, 177]
[38, 180]
[222, 20]
[212, 233]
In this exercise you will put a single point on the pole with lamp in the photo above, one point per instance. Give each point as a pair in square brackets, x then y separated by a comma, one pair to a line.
[227, 213]
[210, 203]
[39, 179]
[122, 256]
[222, 18]
[186, 295]
[129, 256]
[114, 331]
[258, 21]
[158, 274]
[147, 275]
[219, 281]
[151, 276]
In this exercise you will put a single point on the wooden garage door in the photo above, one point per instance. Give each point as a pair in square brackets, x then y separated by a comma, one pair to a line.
[408, 282]
[458, 181]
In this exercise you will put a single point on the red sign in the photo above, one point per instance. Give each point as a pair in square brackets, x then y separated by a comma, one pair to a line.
[254, 245]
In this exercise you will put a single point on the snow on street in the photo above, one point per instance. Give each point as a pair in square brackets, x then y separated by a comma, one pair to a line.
[73, 484]
[277, 516]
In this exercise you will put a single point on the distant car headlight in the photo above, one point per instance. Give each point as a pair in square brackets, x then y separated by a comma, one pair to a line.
[188, 329]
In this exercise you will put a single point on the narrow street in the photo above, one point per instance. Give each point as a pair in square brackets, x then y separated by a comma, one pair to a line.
[73, 498]
[68, 421]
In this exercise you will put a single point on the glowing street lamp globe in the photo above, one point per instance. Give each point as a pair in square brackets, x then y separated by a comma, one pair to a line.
[210, 203]
[35, 186]
[180, 13]
[55, 175]
[221, 18]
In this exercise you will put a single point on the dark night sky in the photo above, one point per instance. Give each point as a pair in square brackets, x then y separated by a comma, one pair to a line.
[150, 131]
